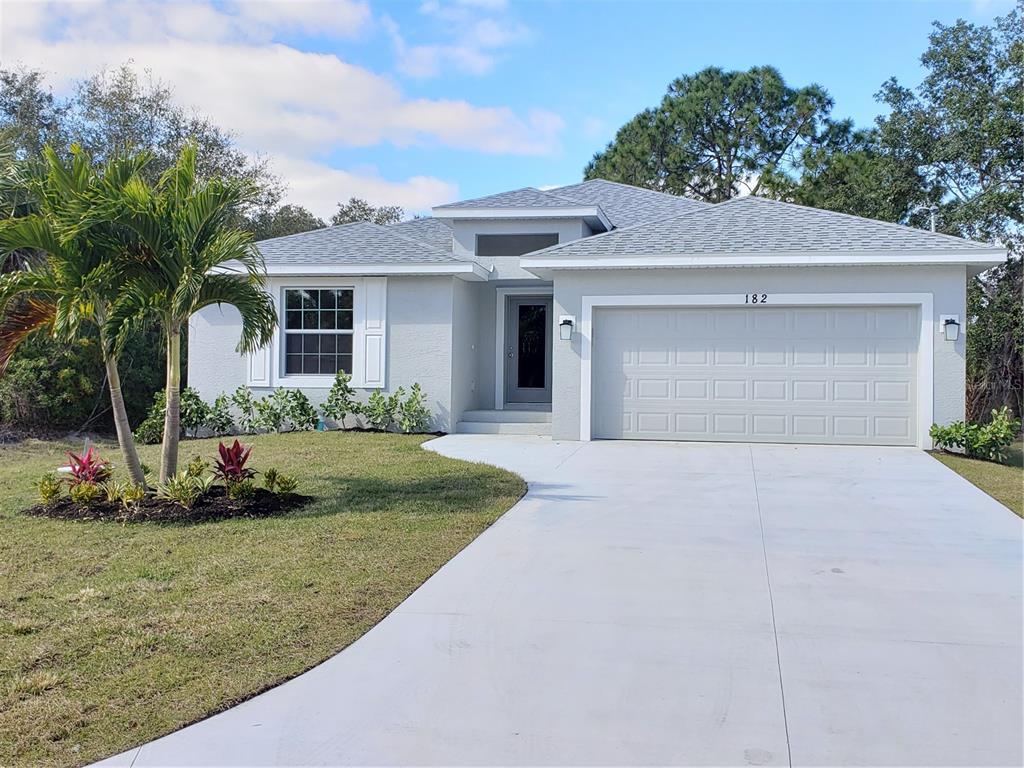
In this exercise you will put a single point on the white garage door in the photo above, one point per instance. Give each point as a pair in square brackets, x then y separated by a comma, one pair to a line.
[771, 374]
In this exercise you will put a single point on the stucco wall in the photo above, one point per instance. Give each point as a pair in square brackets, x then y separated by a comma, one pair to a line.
[419, 346]
[507, 267]
[466, 300]
[946, 284]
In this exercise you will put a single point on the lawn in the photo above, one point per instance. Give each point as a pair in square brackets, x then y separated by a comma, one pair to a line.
[1003, 482]
[111, 635]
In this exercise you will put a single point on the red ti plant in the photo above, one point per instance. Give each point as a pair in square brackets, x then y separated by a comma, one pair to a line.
[88, 467]
[230, 467]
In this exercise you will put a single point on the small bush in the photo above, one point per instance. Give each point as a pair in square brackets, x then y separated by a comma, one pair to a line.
[245, 403]
[131, 494]
[49, 488]
[197, 467]
[286, 484]
[193, 411]
[88, 467]
[85, 493]
[270, 413]
[270, 478]
[243, 490]
[341, 400]
[219, 420]
[981, 441]
[380, 408]
[298, 411]
[230, 467]
[151, 430]
[413, 414]
[181, 489]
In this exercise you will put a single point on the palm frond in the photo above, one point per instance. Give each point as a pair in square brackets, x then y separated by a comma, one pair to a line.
[259, 318]
[27, 317]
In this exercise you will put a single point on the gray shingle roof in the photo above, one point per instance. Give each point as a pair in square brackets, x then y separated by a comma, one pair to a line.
[358, 243]
[527, 197]
[433, 232]
[758, 225]
[626, 205]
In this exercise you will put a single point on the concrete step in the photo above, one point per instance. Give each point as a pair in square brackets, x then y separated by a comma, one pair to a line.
[503, 428]
[509, 416]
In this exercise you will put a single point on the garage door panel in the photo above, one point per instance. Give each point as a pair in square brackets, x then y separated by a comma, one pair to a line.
[733, 375]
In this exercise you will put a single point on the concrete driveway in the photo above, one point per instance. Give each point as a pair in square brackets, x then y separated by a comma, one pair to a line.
[657, 603]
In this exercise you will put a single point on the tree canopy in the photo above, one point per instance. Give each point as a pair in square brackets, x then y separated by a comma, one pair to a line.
[716, 134]
[357, 209]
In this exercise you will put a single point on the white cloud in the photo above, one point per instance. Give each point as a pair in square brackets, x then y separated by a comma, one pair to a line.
[290, 104]
[320, 188]
[475, 32]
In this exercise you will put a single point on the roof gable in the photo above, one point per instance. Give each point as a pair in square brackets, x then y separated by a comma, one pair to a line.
[527, 197]
[361, 242]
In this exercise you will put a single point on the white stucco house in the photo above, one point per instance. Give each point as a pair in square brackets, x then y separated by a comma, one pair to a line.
[601, 310]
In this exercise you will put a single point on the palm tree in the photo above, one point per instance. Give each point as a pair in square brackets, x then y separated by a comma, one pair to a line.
[71, 281]
[186, 254]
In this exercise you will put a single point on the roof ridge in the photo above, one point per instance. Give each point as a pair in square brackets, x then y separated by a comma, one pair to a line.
[889, 224]
[310, 231]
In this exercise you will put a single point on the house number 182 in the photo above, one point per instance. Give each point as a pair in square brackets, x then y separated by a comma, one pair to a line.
[756, 298]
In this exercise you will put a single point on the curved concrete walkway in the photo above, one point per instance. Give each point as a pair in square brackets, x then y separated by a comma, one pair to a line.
[656, 603]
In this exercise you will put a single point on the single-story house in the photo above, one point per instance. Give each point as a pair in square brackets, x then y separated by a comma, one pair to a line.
[602, 310]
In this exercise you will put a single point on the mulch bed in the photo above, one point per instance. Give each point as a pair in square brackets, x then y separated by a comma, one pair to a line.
[215, 505]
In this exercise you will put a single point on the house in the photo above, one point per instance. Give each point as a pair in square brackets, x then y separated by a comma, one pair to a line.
[601, 310]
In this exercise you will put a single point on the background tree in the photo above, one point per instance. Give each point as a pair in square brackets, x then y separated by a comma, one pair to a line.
[716, 134]
[75, 280]
[186, 253]
[357, 209]
[286, 220]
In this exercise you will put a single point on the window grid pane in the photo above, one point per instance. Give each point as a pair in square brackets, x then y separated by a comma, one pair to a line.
[309, 311]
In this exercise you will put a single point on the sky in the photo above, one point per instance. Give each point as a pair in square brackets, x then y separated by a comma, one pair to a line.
[422, 102]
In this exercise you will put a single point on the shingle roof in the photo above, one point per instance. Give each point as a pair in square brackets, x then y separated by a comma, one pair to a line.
[357, 243]
[431, 231]
[527, 197]
[626, 205]
[758, 225]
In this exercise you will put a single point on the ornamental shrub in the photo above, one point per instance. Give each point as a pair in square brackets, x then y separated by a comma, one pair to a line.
[194, 412]
[380, 408]
[219, 420]
[341, 400]
[245, 404]
[981, 441]
[151, 430]
[413, 414]
[49, 488]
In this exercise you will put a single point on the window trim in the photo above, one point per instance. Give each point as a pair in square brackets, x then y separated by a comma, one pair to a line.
[369, 337]
[285, 331]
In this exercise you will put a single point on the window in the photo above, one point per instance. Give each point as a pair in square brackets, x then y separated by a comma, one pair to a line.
[513, 245]
[318, 327]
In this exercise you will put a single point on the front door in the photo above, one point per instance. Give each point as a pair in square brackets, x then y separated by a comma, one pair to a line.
[528, 350]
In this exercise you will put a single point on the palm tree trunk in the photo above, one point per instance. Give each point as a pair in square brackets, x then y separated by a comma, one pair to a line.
[172, 416]
[124, 430]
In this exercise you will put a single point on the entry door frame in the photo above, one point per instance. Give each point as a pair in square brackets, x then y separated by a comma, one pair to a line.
[925, 345]
[501, 308]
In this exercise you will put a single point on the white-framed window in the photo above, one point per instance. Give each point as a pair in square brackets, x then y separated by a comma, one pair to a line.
[319, 330]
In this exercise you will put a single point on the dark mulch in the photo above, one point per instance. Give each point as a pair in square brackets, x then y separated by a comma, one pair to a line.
[213, 506]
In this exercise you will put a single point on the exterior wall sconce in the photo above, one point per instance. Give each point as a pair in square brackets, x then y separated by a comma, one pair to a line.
[950, 325]
[565, 325]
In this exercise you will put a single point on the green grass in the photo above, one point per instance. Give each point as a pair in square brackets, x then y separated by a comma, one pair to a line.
[112, 635]
[1003, 482]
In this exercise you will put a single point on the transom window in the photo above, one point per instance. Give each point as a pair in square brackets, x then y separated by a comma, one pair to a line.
[318, 326]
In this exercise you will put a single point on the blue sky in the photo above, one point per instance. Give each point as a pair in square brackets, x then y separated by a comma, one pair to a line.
[419, 102]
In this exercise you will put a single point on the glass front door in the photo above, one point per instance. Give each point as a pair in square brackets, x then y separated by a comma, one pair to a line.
[528, 350]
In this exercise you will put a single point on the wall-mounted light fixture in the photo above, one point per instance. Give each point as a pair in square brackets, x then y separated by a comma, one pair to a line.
[565, 326]
[951, 328]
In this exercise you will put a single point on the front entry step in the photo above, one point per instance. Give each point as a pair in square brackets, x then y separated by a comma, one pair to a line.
[506, 422]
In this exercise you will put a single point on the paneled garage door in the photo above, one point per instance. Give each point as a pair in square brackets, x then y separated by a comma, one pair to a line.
[771, 374]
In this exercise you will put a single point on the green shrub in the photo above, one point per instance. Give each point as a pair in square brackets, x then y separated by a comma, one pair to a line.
[270, 413]
[413, 414]
[182, 489]
[270, 478]
[197, 467]
[380, 408]
[219, 420]
[982, 441]
[286, 484]
[49, 488]
[85, 493]
[298, 411]
[112, 490]
[243, 490]
[131, 494]
[151, 430]
[194, 412]
[245, 403]
[341, 400]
